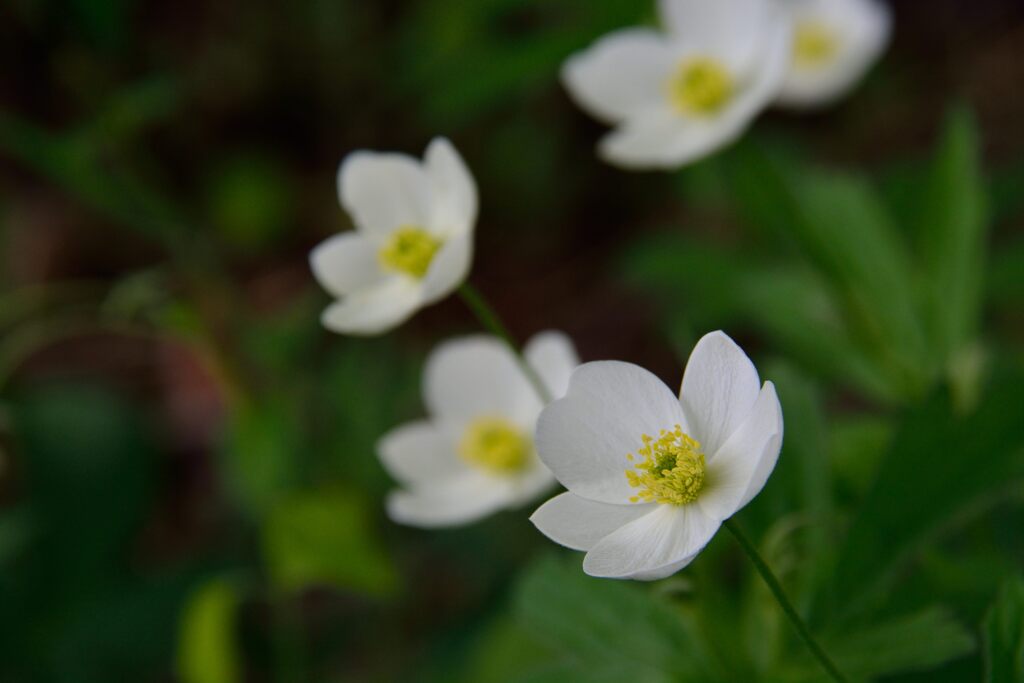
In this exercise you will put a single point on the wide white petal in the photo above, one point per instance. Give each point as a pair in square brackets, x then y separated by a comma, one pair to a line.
[585, 437]
[720, 386]
[477, 376]
[375, 309]
[528, 486]
[653, 546]
[417, 452]
[449, 268]
[384, 191]
[864, 27]
[732, 30]
[552, 355]
[621, 74]
[453, 501]
[663, 139]
[739, 469]
[344, 263]
[452, 188]
[579, 523]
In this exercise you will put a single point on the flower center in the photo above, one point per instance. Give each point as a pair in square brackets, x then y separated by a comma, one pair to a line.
[409, 250]
[814, 43]
[672, 469]
[495, 445]
[701, 86]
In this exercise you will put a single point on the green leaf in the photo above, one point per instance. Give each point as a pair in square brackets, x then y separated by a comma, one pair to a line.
[600, 626]
[325, 538]
[916, 642]
[207, 648]
[938, 467]
[1004, 635]
[951, 238]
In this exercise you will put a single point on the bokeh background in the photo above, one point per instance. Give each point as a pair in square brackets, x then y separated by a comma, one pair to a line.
[188, 485]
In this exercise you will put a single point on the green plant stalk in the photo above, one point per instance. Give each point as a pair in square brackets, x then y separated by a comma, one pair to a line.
[787, 607]
[491, 321]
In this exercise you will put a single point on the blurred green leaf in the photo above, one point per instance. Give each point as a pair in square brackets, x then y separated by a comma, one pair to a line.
[1004, 635]
[207, 650]
[260, 453]
[325, 538]
[938, 466]
[600, 627]
[916, 642]
[249, 200]
[951, 237]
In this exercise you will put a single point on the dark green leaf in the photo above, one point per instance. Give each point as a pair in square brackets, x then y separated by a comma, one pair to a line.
[1004, 635]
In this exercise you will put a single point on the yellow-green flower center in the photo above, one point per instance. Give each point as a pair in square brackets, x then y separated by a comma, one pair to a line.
[409, 250]
[701, 86]
[814, 44]
[672, 469]
[496, 445]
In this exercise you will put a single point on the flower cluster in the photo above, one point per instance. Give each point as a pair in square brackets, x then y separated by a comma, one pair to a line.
[678, 94]
[650, 476]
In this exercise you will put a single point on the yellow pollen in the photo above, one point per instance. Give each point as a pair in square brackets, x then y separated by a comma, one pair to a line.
[700, 86]
[495, 445]
[814, 44]
[409, 250]
[671, 470]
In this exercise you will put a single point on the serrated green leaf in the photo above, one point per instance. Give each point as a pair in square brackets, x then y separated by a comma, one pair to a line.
[1004, 635]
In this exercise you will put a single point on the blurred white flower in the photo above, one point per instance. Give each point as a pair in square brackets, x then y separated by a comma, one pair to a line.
[475, 454]
[413, 241]
[678, 95]
[652, 477]
[834, 43]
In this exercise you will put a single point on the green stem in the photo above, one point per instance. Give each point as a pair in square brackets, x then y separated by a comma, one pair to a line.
[491, 321]
[780, 596]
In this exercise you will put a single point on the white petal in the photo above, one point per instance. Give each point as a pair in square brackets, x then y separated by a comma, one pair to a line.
[585, 437]
[864, 27]
[384, 191]
[621, 74]
[579, 523]
[529, 486]
[653, 546]
[740, 468]
[732, 30]
[454, 501]
[374, 310]
[552, 355]
[449, 268]
[477, 376]
[453, 190]
[344, 263]
[417, 452]
[664, 139]
[719, 389]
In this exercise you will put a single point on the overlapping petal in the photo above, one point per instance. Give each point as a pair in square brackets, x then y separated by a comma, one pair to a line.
[374, 309]
[452, 501]
[418, 452]
[345, 263]
[384, 191]
[553, 356]
[452, 188]
[579, 523]
[585, 438]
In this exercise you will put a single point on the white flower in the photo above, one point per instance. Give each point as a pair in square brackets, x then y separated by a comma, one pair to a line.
[413, 241]
[834, 43]
[475, 454]
[652, 477]
[679, 95]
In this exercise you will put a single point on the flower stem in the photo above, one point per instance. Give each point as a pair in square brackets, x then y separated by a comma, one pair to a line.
[491, 321]
[780, 595]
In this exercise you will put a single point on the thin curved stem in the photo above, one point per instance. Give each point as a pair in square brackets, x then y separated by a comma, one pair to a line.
[491, 321]
[780, 596]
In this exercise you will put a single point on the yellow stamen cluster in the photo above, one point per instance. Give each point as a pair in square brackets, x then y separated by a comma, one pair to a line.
[814, 44]
[701, 86]
[672, 469]
[409, 250]
[496, 445]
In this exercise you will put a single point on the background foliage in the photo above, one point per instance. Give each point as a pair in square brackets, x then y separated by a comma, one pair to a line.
[188, 489]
